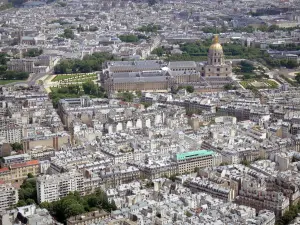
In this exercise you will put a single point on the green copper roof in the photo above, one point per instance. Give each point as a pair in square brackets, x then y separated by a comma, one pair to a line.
[188, 155]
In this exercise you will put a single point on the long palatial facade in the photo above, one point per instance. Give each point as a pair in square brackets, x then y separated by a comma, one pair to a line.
[157, 75]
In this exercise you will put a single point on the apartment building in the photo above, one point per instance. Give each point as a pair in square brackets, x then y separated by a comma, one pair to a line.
[15, 159]
[255, 194]
[203, 185]
[88, 218]
[11, 130]
[40, 64]
[9, 195]
[188, 161]
[19, 171]
[52, 188]
[29, 215]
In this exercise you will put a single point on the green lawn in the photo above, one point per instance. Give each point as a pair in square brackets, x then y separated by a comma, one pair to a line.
[246, 83]
[272, 84]
[267, 84]
[3, 82]
[74, 77]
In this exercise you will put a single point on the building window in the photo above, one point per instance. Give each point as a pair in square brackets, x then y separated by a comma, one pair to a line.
[218, 69]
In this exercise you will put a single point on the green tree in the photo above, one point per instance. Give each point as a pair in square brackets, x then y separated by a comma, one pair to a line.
[297, 78]
[229, 87]
[138, 93]
[80, 29]
[21, 203]
[188, 214]
[158, 51]
[152, 2]
[291, 64]
[17, 146]
[146, 104]
[13, 75]
[68, 33]
[90, 88]
[73, 209]
[126, 96]
[190, 89]
[88, 64]
[129, 38]
[93, 28]
[29, 175]
[6, 6]
[3, 58]
[247, 67]
[27, 192]
[33, 52]
[62, 4]
[113, 205]
[30, 201]
[245, 163]
[149, 28]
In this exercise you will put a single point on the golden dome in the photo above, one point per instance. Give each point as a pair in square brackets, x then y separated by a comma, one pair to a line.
[216, 45]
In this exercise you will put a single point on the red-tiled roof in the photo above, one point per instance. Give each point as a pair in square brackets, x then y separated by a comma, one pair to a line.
[29, 163]
[4, 169]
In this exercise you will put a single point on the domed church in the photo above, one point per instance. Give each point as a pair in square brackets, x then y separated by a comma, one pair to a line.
[216, 64]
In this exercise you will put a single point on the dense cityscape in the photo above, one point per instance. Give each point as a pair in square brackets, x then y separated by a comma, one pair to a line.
[149, 112]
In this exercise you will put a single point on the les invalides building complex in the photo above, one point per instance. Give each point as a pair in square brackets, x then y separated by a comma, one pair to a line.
[157, 75]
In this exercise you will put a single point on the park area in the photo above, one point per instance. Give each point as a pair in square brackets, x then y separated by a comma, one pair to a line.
[259, 84]
[3, 82]
[74, 78]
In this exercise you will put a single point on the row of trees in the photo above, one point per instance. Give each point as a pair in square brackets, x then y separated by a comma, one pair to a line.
[231, 50]
[68, 33]
[272, 62]
[160, 51]
[126, 96]
[91, 28]
[27, 192]
[74, 91]
[12, 75]
[297, 78]
[60, 21]
[247, 67]
[88, 64]
[74, 204]
[71, 205]
[34, 52]
[129, 38]
[198, 51]
[289, 215]
[149, 28]
[5, 6]
[3, 59]
[16, 146]
[228, 87]
[263, 28]
[286, 47]
[248, 29]
[214, 30]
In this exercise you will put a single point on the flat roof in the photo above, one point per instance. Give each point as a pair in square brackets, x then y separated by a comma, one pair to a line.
[192, 154]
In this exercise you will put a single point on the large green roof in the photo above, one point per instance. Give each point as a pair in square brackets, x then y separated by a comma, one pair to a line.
[192, 154]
